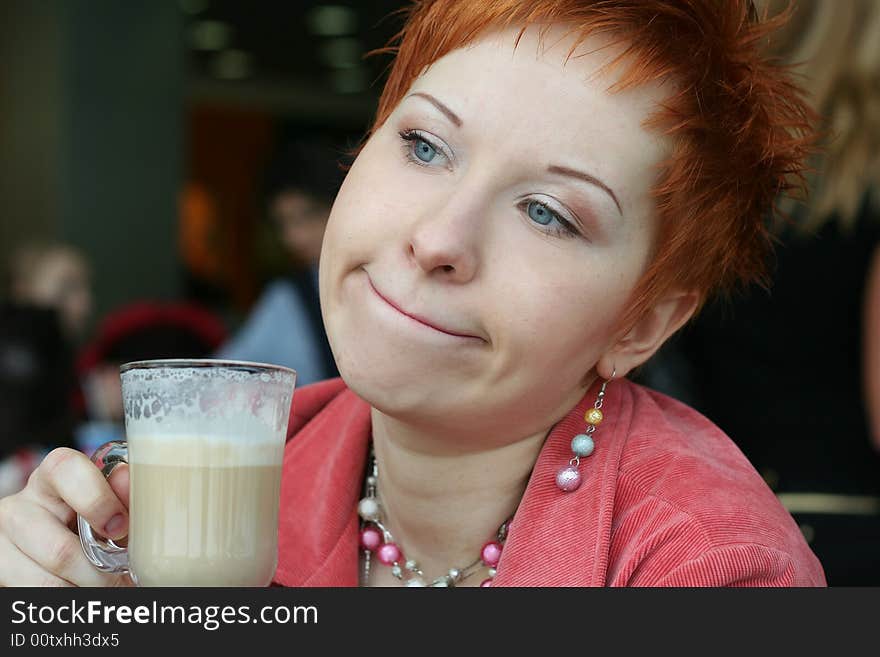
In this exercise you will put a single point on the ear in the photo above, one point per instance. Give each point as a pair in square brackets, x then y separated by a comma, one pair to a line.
[648, 334]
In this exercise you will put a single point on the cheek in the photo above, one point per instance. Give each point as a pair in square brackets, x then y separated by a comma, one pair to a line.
[374, 170]
[362, 210]
[382, 196]
[554, 327]
[547, 327]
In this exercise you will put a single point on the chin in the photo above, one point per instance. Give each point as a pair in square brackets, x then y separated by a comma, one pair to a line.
[408, 391]
[393, 387]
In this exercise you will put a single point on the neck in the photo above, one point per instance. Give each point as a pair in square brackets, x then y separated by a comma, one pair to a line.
[442, 505]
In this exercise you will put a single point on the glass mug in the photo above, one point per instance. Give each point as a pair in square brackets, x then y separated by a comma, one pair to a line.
[204, 445]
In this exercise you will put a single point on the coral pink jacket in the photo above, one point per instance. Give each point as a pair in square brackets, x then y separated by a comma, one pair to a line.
[667, 500]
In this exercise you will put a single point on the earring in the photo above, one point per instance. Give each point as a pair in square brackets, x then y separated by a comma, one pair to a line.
[569, 478]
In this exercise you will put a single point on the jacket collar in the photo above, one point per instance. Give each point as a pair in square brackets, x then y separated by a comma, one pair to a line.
[555, 538]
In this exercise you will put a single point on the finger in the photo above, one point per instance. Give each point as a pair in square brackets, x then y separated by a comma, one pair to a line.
[119, 481]
[38, 492]
[16, 569]
[69, 477]
[40, 536]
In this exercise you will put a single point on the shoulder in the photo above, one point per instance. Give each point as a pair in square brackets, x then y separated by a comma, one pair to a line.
[278, 300]
[690, 508]
[666, 438]
[313, 399]
[280, 292]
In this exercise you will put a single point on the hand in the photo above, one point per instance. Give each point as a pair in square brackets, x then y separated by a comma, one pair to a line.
[38, 542]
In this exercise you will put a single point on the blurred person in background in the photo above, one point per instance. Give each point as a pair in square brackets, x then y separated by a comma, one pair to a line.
[813, 432]
[46, 305]
[36, 382]
[285, 326]
[53, 276]
[137, 331]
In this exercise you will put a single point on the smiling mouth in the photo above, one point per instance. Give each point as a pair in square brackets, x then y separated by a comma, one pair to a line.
[418, 319]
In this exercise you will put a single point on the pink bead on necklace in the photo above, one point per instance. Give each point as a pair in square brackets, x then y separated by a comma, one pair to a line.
[376, 539]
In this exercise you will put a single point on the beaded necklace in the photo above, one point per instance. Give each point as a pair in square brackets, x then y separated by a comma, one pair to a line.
[375, 537]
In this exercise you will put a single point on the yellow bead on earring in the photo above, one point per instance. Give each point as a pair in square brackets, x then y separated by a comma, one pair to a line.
[593, 416]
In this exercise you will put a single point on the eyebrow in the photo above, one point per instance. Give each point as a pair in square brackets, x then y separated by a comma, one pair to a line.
[580, 175]
[452, 116]
[553, 168]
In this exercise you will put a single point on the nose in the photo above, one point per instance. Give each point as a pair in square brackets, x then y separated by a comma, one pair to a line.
[447, 239]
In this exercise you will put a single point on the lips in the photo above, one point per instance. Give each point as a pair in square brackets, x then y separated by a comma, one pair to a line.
[420, 318]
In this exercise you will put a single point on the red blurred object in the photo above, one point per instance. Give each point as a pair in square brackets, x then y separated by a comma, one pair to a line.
[146, 331]
[129, 322]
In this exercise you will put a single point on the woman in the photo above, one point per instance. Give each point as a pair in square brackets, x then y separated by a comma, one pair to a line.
[549, 191]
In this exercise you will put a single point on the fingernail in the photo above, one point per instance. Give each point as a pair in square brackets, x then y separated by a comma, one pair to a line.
[115, 526]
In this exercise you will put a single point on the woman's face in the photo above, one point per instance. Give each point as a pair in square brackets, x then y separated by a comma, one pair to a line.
[505, 202]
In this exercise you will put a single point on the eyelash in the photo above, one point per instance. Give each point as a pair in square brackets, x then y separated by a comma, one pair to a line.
[411, 136]
[565, 228]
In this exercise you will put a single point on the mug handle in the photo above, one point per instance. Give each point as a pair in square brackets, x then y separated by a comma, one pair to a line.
[104, 554]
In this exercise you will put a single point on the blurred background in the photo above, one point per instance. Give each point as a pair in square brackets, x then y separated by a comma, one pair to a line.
[165, 172]
[139, 131]
[167, 167]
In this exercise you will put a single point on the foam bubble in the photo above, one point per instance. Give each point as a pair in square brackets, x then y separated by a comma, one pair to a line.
[219, 404]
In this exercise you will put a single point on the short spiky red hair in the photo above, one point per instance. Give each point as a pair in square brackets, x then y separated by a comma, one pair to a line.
[739, 129]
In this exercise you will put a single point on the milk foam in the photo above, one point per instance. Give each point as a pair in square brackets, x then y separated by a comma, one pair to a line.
[204, 450]
[207, 416]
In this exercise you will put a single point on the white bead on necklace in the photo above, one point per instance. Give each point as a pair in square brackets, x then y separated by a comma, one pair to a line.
[375, 538]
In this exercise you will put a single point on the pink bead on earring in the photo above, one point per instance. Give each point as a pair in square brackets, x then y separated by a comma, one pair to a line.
[569, 479]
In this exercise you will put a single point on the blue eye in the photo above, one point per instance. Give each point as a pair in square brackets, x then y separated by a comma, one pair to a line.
[540, 213]
[543, 215]
[423, 150]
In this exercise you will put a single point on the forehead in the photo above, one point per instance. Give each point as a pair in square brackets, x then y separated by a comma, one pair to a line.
[537, 100]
